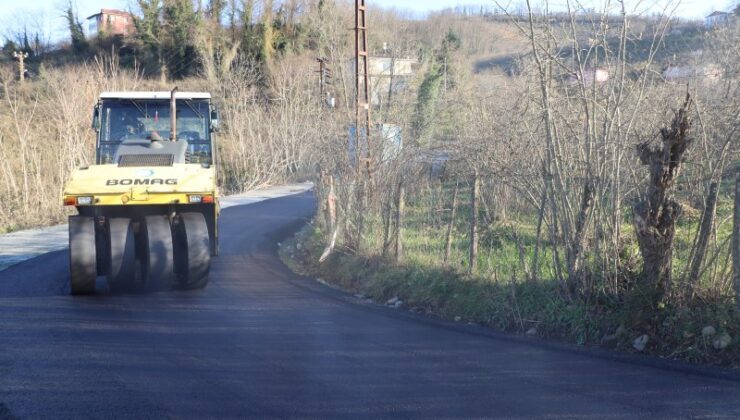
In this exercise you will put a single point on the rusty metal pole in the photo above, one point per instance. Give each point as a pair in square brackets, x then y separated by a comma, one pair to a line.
[362, 83]
[358, 103]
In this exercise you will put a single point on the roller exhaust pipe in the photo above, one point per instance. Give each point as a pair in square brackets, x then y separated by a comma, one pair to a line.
[173, 115]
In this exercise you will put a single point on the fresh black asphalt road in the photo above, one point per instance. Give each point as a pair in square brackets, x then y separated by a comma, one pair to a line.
[262, 342]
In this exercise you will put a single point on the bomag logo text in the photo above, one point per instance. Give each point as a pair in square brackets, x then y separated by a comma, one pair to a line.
[153, 181]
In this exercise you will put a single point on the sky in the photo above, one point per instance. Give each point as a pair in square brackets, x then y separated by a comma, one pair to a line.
[46, 16]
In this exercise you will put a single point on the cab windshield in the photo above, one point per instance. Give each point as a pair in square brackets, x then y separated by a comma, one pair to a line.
[134, 119]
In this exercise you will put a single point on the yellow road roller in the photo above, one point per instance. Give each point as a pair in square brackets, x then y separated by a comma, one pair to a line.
[148, 208]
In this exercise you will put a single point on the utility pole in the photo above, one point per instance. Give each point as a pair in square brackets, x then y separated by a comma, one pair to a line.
[21, 56]
[362, 84]
[324, 76]
[325, 82]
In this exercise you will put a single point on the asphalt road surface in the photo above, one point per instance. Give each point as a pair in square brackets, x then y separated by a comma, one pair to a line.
[262, 342]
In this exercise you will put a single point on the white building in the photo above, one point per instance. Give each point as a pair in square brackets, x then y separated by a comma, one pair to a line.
[383, 72]
[717, 19]
[707, 73]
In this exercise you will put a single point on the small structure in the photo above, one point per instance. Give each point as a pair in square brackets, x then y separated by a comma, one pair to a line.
[387, 66]
[111, 22]
[388, 75]
[590, 76]
[390, 136]
[706, 73]
[717, 18]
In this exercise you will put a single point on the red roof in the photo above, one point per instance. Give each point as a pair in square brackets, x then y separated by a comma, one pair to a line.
[111, 12]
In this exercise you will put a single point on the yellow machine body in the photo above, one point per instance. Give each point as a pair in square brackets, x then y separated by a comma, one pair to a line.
[111, 185]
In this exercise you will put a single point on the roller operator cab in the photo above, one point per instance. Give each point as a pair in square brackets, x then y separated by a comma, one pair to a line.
[148, 207]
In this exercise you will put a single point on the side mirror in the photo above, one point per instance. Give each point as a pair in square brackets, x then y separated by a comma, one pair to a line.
[214, 120]
[96, 118]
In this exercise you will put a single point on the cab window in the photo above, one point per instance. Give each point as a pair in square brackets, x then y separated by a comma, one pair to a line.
[122, 120]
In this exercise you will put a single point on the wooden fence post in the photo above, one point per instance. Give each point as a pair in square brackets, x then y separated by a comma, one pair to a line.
[705, 231]
[451, 224]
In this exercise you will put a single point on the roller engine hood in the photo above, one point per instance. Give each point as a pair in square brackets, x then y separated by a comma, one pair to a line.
[114, 179]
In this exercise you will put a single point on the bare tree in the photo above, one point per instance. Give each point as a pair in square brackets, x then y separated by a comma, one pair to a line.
[656, 213]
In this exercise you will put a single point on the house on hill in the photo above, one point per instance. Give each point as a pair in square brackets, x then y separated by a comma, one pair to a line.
[388, 75]
[708, 72]
[590, 76]
[717, 18]
[111, 22]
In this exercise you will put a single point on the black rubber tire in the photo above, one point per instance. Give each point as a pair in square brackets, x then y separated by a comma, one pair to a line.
[82, 255]
[121, 254]
[192, 250]
[158, 261]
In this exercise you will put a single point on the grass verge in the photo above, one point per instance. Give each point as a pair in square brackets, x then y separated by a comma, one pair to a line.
[693, 333]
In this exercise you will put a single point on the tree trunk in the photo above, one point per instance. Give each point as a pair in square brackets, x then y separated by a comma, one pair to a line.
[361, 208]
[399, 221]
[267, 31]
[331, 206]
[232, 20]
[451, 224]
[736, 240]
[705, 231]
[540, 218]
[387, 217]
[656, 245]
[575, 248]
[474, 192]
[352, 217]
[656, 214]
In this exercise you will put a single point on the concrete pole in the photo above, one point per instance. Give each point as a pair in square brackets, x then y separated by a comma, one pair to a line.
[21, 56]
